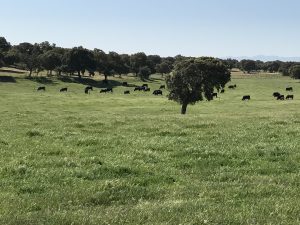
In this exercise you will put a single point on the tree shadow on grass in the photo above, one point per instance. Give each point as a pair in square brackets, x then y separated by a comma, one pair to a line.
[42, 80]
[7, 79]
[90, 82]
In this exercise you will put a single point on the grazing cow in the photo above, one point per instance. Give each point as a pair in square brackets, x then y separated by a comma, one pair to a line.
[145, 85]
[88, 89]
[125, 84]
[106, 90]
[276, 94]
[126, 92]
[246, 97]
[147, 89]
[141, 88]
[63, 90]
[232, 86]
[157, 92]
[280, 97]
[222, 91]
[41, 89]
[289, 89]
[289, 97]
[214, 95]
[162, 87]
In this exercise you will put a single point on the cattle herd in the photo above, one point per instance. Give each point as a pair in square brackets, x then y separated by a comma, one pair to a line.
[276, 95]
[145, 88]
[88, 89]
[279, 96]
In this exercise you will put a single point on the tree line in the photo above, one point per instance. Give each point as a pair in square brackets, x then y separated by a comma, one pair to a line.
[80, 61]
[254, 66]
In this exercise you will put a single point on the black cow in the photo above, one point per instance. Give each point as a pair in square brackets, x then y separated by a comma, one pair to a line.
[41, 89]
[222, 91]
[232, 86]
[147, 89]
[63, 90]
[162, 87]
[276, 94]
[126, 92]
[289, 89]
[289, 97]
[145, 85]
[91, 73]
[157, 92]
[106, 90]
[125, 84]
[88, 89]
[139, 88]
[246, 97]
[280, 97]
[214, 95]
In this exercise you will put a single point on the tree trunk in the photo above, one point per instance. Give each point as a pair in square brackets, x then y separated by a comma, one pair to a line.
[105, 77]
[79, 75]
[183, 108]
[30, 72]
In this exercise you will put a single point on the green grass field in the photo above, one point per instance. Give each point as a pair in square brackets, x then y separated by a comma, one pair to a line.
[71, 158]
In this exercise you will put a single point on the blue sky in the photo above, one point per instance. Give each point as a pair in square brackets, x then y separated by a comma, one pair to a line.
[167, 27]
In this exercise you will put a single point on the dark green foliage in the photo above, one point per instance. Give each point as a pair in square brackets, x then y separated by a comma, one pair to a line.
[46, 46]
[272, 67]
[116, 64]
[285, 68]
[4, 45]
[152, 61]
[194, 79]
[1, 60]
[144, 73]
[102, 65]
[295, 71]
[50, 60]
[231, 63]
[125, 63]
[45, 56]
[260, 65]
[81, 59]
[163, 68]
[11, 57]
[29, 56]
[137, 61]
[248, 65]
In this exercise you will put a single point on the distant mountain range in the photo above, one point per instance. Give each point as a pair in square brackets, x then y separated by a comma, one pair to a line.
[266, 58]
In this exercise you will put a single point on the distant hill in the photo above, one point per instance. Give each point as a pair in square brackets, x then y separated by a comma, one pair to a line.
[265, 58]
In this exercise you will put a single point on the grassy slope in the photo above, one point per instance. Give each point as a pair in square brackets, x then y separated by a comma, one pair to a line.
[114, 159]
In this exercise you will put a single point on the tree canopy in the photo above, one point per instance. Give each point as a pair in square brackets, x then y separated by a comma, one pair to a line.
[46, 56]
[295, 71]
[195, 79]
[248, 65]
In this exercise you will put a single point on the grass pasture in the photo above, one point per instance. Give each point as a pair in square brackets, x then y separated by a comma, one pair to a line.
[71, 158]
